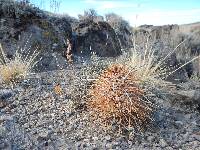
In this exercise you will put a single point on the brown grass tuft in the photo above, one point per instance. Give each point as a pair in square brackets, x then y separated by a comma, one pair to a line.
[116, 98]
[16, 69]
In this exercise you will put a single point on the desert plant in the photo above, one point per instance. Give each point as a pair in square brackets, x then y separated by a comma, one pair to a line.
[13, 70]
[90, 15]
[55, 5]
[116, 21]
[116, 98]
[120, 95]
[152, 67]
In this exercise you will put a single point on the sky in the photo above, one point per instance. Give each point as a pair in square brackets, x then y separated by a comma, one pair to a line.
[136, 12]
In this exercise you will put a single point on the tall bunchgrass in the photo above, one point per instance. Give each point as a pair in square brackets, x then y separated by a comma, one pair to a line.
[14, 69]
[150, 67]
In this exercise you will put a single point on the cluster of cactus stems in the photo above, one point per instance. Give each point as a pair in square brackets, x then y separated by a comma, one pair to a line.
[115, 98]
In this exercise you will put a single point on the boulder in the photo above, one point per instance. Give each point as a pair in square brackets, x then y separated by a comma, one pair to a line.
[98, 37]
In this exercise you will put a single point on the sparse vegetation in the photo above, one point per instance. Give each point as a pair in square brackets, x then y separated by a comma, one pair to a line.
[150, 65]
[117, 95]
[17, 68]
[75, 93]
[116, 21]
[122, 29]
[90, 15]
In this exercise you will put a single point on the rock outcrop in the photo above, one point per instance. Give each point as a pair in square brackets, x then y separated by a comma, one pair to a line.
[49, 32]
[96, 37]
[23, 22]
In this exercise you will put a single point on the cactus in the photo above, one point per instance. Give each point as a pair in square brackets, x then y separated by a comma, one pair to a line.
[116, 98]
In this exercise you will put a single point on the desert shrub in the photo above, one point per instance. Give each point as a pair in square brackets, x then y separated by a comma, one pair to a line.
[116, 21]
[55, 5]
[116, 98]
[90, 16]
[17, 68]
[81, 81]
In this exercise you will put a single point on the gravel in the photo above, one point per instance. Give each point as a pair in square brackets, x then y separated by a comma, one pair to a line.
[38, 118]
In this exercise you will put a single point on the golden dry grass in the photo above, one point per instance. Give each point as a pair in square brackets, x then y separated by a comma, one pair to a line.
[153, 69]
[13, 70]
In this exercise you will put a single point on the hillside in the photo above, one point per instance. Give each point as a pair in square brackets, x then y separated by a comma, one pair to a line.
[90, 83]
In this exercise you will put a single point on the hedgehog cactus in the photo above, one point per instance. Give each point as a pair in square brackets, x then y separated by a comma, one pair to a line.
[116, 98]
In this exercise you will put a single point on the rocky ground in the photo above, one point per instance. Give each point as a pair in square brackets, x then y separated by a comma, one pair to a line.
[45, 112]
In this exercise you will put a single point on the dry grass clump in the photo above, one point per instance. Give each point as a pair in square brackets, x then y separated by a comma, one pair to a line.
[13, 70]
[115, 98]
[152, 68]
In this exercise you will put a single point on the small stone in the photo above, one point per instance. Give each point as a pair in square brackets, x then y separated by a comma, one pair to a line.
[43, 134]
[5, 94]
[4, 145]
[26, 125]
[196, 137]
[55, 44]
[109, 145]
[179, 123]
[194, 144]
[130, 143]
[185, 136]
[2, 131]
[78, 144]
[150, 138]
[115, 143]
[107, 138]
[194, 123]
[2, 104]
[163, 143]
[95, 138]
[6, 117]
[188, 116]
[86, 140]
[169, 148]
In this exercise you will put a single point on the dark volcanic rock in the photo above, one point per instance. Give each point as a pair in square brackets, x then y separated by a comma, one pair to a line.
[23, 22]
[124, 34]
[97, 37]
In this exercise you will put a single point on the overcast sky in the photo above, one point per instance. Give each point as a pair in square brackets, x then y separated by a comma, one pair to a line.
[137, 12]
